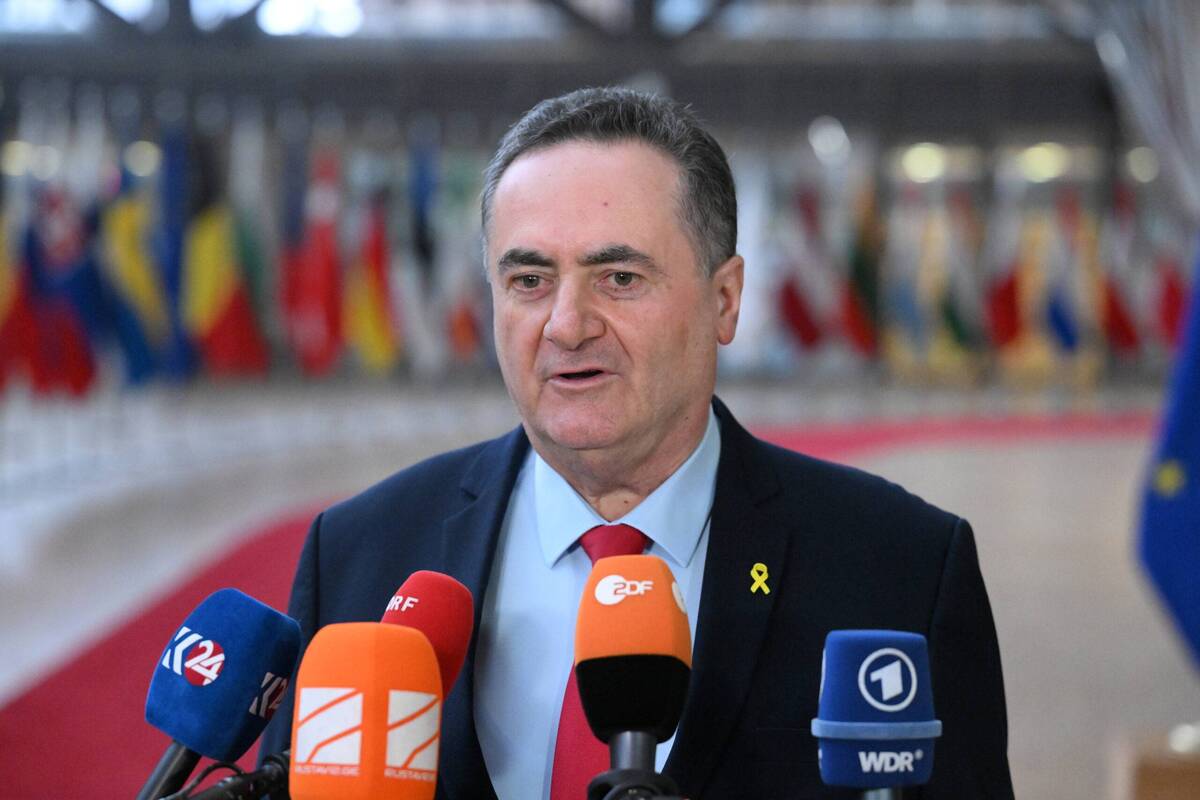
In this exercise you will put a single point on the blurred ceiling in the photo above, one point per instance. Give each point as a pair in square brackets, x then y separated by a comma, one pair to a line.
[958, 67]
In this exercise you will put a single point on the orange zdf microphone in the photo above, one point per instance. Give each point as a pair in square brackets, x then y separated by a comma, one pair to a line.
[633, 659]
[367, 715]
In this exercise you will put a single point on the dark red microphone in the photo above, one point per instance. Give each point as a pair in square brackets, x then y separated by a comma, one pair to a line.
[442, 609]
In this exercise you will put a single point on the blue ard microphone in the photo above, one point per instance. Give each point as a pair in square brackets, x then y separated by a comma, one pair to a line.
[217, 683]
[875, 725]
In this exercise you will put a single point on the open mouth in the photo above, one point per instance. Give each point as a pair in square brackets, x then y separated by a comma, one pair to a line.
[579, 376]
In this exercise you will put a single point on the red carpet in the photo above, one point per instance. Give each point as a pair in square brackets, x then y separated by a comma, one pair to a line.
[80, 732]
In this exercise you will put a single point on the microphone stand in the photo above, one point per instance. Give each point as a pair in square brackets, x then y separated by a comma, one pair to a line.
[170, 773]
[632, 776]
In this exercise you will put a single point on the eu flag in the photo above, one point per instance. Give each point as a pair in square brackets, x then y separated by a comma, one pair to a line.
[1170, 535]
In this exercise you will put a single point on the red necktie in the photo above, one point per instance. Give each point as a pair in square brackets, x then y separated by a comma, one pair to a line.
[578, 755]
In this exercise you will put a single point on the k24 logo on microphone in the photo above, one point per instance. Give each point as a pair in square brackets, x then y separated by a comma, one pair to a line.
[194, 657]
[612, 589]
[270, 696]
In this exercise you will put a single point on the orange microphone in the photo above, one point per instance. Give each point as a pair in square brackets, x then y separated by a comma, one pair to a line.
[633, 659]
[367, 715]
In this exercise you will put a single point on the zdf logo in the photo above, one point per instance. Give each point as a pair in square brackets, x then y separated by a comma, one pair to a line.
[194, 657]
[612, 589]
[887, 679]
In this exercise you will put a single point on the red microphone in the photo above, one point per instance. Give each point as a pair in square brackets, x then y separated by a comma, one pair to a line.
[442, 609]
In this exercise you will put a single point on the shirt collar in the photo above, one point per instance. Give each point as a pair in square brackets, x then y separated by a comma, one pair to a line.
[673, 515]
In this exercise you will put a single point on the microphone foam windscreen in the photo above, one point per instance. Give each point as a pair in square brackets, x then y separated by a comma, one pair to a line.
[223, 674]
[875, 720]
[633, 647]
[442, 609]
[367, 715]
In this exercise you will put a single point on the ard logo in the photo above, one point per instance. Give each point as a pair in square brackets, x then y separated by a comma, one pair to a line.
[887, 680]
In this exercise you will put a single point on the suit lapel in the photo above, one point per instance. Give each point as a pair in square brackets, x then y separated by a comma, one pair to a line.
[733, 619]
[469, 546]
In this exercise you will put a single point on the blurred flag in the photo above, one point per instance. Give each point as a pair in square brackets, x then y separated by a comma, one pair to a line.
[422, 188]
[808, 296]
[179, 356]
[906, 333]
[1031, 357]
[1117, 242]
[294, 184]
[860, 292]
[215, 300]
[797, 315]
[1062, 319]
[464, 329]
[370, 323]
[18, 331]
[251, 209]
[460, 253]
[315, 325]
[139, 306]
[1001, 258]
[65, 292]
[959, 307]
[1169, 544]
[1171, 300]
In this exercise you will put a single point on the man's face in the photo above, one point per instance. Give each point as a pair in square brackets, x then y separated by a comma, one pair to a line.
[606, 326]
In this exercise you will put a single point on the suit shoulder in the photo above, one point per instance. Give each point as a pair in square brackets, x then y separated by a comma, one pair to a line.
[849, 493]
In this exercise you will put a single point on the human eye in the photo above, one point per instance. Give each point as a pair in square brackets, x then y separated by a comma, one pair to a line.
[527, 282]
[622, 280]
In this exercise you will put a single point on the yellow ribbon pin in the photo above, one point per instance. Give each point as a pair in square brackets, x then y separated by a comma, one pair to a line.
[759, 573]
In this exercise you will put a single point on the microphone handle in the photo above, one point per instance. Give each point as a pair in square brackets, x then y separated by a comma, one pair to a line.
[883, 794]
[171, 772]
[632, 750]
[271, 777]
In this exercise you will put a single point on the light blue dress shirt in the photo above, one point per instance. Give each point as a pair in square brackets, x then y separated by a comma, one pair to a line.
[527, 625]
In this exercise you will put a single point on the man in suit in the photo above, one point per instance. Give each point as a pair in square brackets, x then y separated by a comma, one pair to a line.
[610, 231]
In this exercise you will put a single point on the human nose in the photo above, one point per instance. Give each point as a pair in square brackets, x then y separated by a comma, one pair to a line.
[572, 320]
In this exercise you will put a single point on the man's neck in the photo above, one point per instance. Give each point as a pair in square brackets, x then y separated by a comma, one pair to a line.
[614, 481]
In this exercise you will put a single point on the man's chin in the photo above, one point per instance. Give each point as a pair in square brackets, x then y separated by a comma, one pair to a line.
[578, 436]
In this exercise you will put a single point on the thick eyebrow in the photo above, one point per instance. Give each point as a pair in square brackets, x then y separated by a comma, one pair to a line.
[517, 257]
[619, 254]
[521, 257]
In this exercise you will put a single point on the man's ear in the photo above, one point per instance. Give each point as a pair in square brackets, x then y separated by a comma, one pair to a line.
[727, 287]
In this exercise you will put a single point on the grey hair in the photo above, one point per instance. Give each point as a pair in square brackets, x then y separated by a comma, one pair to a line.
[708, 203]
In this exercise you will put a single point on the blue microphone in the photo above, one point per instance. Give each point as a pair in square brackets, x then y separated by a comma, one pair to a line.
[217, 683]
[875, 725]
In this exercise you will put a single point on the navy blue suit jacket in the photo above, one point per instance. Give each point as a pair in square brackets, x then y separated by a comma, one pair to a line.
[844, 549]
